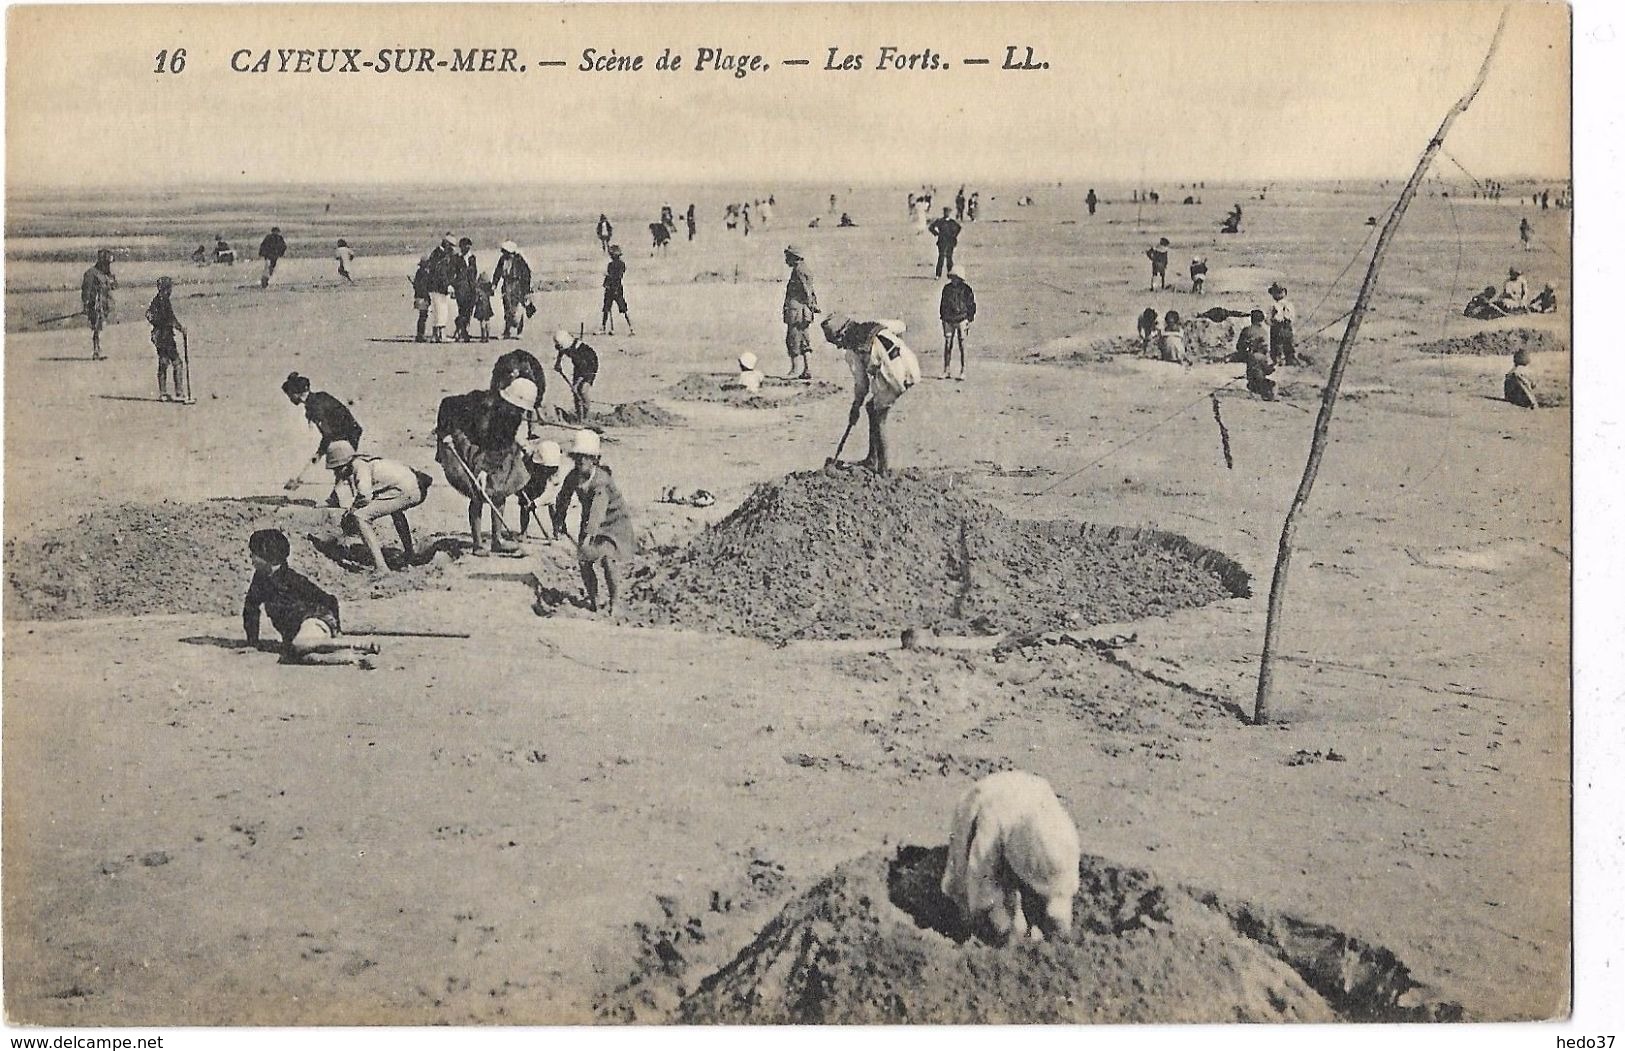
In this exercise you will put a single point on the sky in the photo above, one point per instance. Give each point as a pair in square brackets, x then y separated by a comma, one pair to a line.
[1134, 91]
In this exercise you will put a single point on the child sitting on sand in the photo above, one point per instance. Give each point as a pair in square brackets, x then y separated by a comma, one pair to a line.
[304, 615]
[1172, 343]
[750, 377]
[1519, 386]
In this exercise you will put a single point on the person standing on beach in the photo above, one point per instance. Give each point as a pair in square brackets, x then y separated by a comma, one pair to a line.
[272, 249]
[688, 217]
[96, 296]
[1526, 232]
[442, 273]
[958, 310]
[1158, 254]
[946, 231]
[420, 296]
[513, 277]
[1282, 314]
[465, 284]
[800, 307]
[614, 294]
[345, 255]
[1091, 201]
[161, 316]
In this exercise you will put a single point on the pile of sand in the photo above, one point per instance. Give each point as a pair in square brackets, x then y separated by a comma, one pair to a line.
[135, 559]
[845, 553]
[875, 942]
[1502, 342]
[776, 391]
[626, 414]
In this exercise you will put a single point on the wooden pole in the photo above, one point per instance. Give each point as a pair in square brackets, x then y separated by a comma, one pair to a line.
[1328, 400]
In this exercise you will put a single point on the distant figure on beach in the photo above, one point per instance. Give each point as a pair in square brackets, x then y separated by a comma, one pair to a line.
[957, 310]
[1526, 232]
[744, 217]
[1519, 387]
[1158, 254]
[96, 297]
[846, 221]
[688, 218]
[1232, 222]
[614, 294]
[1514, 297]
[272, 249]
[513, 278]
[1254, 347]
[800, 307]
[345, 255]
[1281, 315]
[465, 284]
[1545, 302]
[946, 231]
[442, 274]
[1198, 274]
[201, 256]
[606, 231]
[161, 316]
[1091, 201]
[660, 237]
[223, 252]
[484, 290]
[668, 218]
[1482, 307]
[832, 204]
[420, 297]
[959, 204]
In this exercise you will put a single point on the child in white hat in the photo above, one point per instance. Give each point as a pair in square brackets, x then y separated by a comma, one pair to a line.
[750, 377]
[605, 532]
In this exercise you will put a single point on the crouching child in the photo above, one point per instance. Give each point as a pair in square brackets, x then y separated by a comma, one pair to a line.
[1011, 838]
[304, 615]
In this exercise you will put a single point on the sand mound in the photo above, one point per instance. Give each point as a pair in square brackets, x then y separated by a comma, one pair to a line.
[626, 414]
[776, 390]
[137, 559]
[1501, 342]
[844, 553]
[875, 942]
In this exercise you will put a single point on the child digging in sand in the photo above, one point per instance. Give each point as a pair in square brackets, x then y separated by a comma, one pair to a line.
[304, 615]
